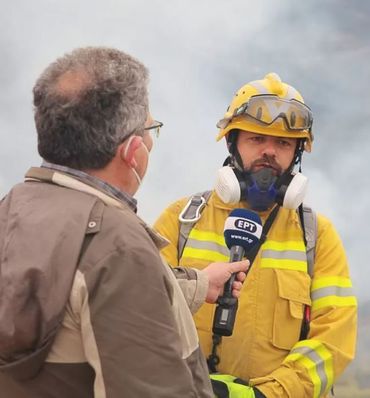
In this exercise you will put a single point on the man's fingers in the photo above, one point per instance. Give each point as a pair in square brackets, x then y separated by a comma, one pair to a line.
[239, 266]
[241, 276]
[237, 286]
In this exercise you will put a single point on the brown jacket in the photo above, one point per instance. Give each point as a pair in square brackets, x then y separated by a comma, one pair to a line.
[87, 306]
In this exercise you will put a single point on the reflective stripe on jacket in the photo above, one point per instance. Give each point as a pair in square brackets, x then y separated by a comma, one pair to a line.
[265, 346]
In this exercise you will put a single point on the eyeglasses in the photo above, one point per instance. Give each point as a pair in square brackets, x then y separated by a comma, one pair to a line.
[155, 128]
[267, 108]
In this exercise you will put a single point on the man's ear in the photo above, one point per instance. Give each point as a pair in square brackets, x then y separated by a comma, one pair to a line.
[128, 149]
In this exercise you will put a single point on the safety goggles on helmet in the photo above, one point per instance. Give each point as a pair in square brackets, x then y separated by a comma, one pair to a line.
[267, 108]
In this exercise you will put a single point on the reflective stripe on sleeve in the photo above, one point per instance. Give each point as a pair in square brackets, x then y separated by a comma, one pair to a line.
[317, 359]
[333, 291]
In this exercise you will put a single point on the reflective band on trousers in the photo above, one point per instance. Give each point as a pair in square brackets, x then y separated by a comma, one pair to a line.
[332, 291]
[289, 255]
[317, 359]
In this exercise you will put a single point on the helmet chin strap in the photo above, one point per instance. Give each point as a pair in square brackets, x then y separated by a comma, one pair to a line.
[298, 155]
[234, 159]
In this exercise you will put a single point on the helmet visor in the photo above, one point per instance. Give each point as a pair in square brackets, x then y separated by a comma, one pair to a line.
[266, 109]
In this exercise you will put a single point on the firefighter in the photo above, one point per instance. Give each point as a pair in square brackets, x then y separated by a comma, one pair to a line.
[297, 303]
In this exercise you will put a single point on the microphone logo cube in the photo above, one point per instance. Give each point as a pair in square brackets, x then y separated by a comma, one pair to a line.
[242, 228]
[245, 225]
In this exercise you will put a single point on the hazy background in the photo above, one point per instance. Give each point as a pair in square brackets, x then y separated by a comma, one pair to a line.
[199, 53]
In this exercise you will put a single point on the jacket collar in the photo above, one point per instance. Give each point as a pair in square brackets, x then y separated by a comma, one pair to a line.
[43, 174]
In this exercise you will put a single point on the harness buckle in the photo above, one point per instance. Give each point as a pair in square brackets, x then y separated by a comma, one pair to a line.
[193, 209]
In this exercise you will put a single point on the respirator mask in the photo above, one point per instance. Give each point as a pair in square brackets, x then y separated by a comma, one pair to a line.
[261, 189]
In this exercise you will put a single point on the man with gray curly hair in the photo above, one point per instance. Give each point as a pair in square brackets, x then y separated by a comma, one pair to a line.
[91, 96]
[87, 306]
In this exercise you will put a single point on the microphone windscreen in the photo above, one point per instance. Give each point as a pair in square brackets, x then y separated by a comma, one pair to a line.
[242, 228]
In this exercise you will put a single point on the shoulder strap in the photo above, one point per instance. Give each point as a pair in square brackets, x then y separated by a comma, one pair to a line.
[93, 226]
[189, 216]
[310, 231]
[309, 225]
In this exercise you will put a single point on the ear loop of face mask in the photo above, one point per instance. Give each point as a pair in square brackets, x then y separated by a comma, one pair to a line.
[136, 174]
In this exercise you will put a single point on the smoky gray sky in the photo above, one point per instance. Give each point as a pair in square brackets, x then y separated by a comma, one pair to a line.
[199, 53]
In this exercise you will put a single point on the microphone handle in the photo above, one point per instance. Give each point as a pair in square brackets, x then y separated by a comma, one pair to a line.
[227, 305]
[236, 254]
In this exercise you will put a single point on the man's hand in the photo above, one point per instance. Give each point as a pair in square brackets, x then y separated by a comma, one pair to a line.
[219, 273]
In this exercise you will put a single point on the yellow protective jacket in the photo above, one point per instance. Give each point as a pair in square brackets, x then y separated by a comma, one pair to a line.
[265, 347]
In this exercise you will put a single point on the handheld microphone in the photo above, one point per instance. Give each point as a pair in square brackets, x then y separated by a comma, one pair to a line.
[242, 231]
